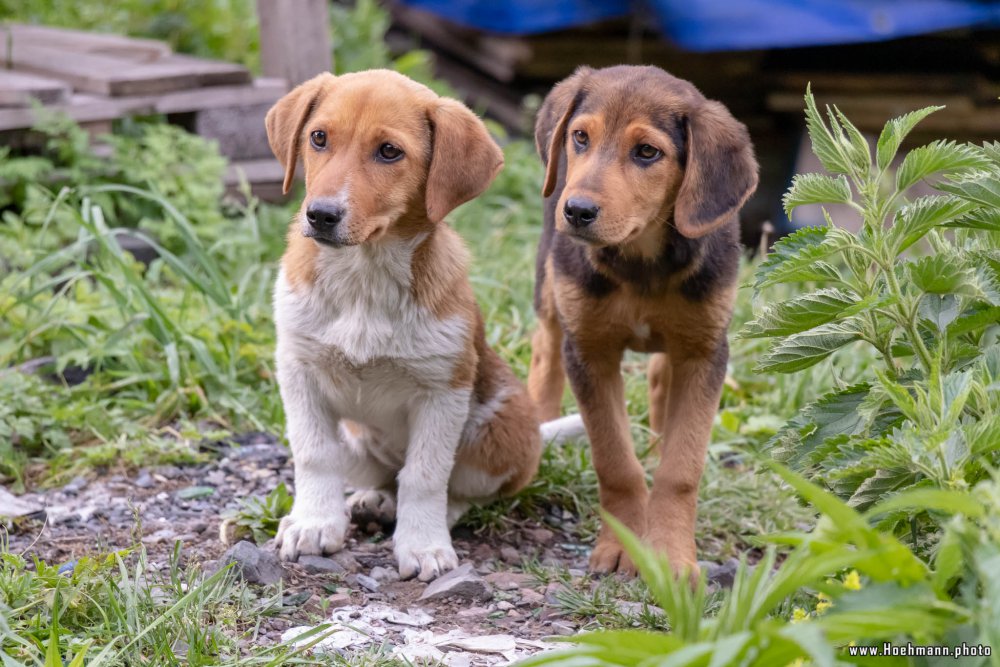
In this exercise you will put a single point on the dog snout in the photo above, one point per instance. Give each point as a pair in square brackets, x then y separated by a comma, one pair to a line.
[323, 216]
[580, 211]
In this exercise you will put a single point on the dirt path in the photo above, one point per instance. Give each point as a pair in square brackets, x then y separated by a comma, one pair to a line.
[489, 612]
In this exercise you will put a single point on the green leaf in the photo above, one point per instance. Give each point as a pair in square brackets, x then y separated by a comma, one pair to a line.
[916, 219]
[876, 487]
[798, 257]
[855, 146]
[801, 313]
[938, 500]
[816, 189]
[936, 157]
[986, 219]
[895, 131]
[982, 187]
[948, 561]
[802, 350]
[938, 274]
[826, 147]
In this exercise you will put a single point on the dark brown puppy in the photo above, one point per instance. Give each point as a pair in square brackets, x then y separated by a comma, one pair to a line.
[644, 180]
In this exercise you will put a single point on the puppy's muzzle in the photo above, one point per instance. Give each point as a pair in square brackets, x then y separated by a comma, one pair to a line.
[323, 217]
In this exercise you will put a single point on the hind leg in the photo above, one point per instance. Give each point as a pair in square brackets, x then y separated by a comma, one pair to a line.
[546, 378]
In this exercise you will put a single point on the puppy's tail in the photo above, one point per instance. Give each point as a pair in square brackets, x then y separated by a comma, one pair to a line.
[565, 428]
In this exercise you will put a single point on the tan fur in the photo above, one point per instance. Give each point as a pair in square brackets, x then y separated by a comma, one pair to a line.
[449, 158]
[643, 312]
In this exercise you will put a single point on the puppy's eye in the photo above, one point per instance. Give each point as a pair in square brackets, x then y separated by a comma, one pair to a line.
[318, 139]
[580, 138]
[389, 152]
[647, 153]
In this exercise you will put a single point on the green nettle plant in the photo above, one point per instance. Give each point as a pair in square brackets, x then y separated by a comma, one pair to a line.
[889, 595]
[920, 283]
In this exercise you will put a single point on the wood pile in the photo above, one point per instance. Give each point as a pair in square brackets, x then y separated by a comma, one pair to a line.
[96, 79]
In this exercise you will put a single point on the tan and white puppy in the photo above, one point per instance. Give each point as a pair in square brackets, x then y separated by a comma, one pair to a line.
[386, 378]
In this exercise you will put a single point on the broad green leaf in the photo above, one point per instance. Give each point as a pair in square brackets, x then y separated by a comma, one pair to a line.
[986, 219]
[982, 187]
[816, 189]
[940, 310]
[798, 314]
[798, 257]
[916, 219]
[948, 560]
[885, 481]
[808, 348]
[938, 500]
[938, 274]
[936, 157]
[895, 131]
[855, 146]
[826, 147]
[802, 243]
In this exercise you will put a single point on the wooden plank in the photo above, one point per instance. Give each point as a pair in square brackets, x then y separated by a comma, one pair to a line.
[294, 39]
[126, 48]
[210, 72]
[102, 75]
[18, 89]
[85, 108]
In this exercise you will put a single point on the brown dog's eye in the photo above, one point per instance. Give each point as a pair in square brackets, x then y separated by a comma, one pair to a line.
[647, 152]
[389, 152]
[318, 139]
[580, 138]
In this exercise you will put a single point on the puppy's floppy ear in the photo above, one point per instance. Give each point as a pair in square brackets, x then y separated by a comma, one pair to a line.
[550, 126]
[464, 158]
[721, 171]
[288, 117]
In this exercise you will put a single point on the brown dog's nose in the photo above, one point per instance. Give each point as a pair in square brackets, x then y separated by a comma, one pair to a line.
[580, 211]
[324, 216]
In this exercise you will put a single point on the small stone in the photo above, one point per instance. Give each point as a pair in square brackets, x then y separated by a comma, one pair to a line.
[483, 552]
[562, 628]
[473, 612]
[723, 575]
[384, 575]
[320, 565]
[507, 581]
[162, 535]
[13, 507]
[193, 492]
[365, 582]
[503, 605]
[347, 561]
[552, 591]
[199, 527]
[530, 598]
[339, 600]
[510, 555]
[542, 536]
[255, 565]
[462, 583]
[76, 485]
[144, 480]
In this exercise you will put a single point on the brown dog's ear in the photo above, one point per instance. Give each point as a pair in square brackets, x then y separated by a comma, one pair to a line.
[464, 158]
[288, 117]
[550, 126]
[721, 171]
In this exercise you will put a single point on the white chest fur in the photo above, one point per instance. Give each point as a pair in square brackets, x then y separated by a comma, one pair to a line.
[359, 329]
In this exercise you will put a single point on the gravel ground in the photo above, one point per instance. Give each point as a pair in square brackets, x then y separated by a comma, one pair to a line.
[488, 612]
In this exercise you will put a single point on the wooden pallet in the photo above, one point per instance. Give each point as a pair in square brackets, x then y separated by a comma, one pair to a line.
[96, 79]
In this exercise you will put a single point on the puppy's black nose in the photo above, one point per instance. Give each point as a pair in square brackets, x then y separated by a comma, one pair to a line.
[580, 211]
[324, 215]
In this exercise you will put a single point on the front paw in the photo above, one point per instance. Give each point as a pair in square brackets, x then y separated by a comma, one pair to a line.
[609, 556]
[423, 558]
[310, 535]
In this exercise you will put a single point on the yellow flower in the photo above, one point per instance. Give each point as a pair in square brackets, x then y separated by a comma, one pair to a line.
[799, 614]
[821, 607]
[852, 581]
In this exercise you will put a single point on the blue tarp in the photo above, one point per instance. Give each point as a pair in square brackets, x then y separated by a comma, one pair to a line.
[721, 25]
